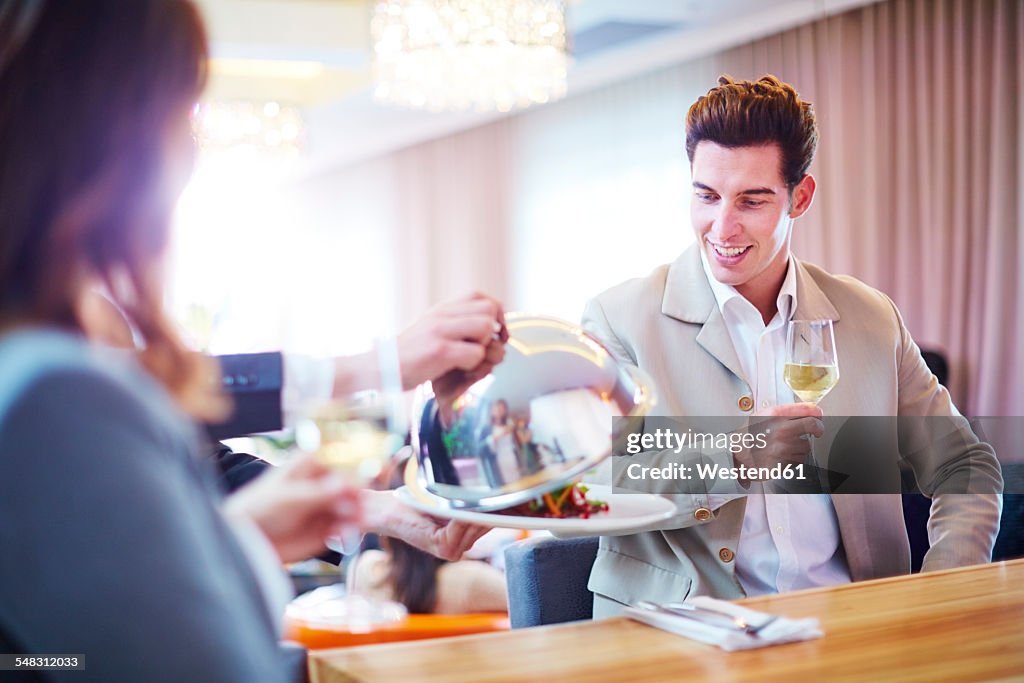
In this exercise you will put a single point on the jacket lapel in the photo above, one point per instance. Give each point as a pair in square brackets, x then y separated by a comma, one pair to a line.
[714, 338]
[811, 302]
[688, 298]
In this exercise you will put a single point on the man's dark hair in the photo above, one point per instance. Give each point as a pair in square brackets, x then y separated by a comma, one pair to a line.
[746, 113]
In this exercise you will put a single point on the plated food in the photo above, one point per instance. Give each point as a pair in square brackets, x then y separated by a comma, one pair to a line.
[567, 502]
[608, 512]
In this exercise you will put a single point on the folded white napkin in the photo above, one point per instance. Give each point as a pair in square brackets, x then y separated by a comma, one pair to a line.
[782, 630]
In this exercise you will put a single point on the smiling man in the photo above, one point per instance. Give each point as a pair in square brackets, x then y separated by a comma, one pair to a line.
[743, 212]
[710, 329]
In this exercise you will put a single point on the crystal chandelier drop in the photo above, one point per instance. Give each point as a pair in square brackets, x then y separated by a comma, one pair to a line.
[461, 54]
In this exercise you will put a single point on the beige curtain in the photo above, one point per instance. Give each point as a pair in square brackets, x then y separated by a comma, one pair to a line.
[453, 232]
[386, 238]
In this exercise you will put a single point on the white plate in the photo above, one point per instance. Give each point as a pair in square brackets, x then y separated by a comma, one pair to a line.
[626, 511]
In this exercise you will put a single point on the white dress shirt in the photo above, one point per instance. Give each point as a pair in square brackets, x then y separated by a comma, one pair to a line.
[307, 381]
[788, 541]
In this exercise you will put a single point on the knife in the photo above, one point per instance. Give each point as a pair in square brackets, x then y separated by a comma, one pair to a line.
[706, 616]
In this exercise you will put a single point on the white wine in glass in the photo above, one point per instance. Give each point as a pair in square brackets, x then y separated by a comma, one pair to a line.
[353, 437]
[810, 382]
[812, 366]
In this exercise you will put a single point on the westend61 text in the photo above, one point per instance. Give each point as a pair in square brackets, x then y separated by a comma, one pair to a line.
[710, 472]
[667, 439]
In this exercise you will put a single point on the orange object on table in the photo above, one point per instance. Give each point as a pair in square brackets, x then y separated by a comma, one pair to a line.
[416, 627]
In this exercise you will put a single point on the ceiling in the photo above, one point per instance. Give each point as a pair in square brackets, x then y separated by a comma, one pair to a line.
[316, 54]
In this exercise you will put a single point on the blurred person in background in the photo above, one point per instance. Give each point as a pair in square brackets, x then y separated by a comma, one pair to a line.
[423, 583]
[499, 446]
[117, 545]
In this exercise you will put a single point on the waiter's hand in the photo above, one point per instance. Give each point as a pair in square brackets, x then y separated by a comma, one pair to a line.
[387, 516]
[453, 342]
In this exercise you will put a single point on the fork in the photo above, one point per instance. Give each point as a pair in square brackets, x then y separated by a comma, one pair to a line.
[683, 609]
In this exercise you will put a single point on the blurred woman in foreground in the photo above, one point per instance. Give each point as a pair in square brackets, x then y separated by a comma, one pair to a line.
[115, 544]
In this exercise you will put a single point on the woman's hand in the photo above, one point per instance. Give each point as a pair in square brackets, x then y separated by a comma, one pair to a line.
[297, 506]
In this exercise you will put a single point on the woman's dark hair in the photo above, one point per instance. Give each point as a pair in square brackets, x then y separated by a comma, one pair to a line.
[413, 573]
[96, 99]
[745, 113]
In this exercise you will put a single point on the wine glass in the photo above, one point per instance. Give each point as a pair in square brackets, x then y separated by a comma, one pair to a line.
[356, 436]
[812, 367]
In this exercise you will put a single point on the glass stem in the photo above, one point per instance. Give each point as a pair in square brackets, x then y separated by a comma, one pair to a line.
[351, 540]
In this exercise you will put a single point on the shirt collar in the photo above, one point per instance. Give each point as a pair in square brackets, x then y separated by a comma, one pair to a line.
[724, 294]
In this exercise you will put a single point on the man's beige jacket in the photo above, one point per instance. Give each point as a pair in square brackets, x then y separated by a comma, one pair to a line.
[670, 326]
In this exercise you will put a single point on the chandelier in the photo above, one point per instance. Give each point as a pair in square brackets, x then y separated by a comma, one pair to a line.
[461, 54]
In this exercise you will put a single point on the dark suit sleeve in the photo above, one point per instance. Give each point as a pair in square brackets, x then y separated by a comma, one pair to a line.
[235, 470]
[432, 443]
[254, 381]
[114, 547]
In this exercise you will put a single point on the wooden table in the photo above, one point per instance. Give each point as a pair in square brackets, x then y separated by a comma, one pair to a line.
[964, 624]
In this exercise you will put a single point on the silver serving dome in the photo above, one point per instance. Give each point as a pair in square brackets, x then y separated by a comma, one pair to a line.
[542, 418]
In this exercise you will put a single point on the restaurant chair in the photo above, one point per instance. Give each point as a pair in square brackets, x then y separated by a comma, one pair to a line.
[1010, 542]
[547, 580]
[916, 506]
[916, 509]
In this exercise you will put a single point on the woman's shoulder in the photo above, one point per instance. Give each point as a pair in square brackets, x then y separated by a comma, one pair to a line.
[57, 371]
[30, 354]
[371, 568]
[370, 575]
[471, 569]
[469, 586]
[372, 560]
[34, 349]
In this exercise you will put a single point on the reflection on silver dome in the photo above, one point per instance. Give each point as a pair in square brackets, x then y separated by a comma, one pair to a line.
[540, 419]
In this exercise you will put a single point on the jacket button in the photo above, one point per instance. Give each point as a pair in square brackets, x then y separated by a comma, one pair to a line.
[726, 555]
[702, 514]
[745, 403]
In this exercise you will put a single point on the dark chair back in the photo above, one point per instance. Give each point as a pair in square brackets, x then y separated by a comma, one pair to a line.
[1010, 542]
[917, 507]
[547, 580]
